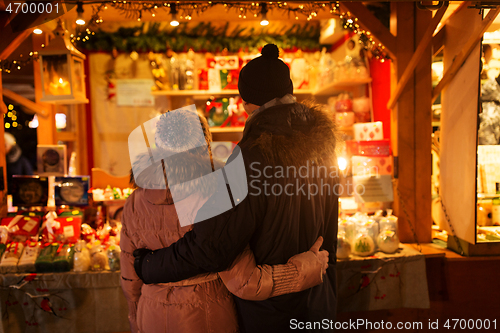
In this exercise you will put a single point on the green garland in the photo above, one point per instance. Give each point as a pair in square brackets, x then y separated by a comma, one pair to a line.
[202, 37]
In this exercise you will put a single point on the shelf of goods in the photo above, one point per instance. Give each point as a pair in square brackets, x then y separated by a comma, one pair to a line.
[235, 133]
[208, 93]
[338, 86]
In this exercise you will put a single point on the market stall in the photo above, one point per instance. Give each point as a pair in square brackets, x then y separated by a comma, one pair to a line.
[127, 63]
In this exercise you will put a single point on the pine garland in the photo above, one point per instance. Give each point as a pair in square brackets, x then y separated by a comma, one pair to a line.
[203, 37]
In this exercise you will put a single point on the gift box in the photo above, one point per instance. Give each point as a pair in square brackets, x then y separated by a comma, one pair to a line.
[226, 62]
[368, 131]
[62, 229]
[21, 227]
[10, 258]
[371, 165]
[27, 262]
[345, 119]
[63, 260]
[229, 79]
[369, 148]
[45, 261]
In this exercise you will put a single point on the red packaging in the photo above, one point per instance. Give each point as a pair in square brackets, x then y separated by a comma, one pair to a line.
[22, 227]
[88, 234]
[343, 105]
[202, 79]
[67, 231]
[368, 148]
[232, 79]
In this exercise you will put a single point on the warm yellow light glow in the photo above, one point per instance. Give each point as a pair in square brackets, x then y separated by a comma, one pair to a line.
[37, 31]
[174, 23]
[264, 22]
[80, 21]
[342, 162]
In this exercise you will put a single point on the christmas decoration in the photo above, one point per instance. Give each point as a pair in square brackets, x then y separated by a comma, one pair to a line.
[203, 37]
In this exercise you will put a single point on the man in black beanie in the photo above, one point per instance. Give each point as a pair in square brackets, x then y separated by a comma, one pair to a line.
[284, 212]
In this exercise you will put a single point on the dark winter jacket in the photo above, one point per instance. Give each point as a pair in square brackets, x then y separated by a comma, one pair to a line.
[17, 164]
[290, 163]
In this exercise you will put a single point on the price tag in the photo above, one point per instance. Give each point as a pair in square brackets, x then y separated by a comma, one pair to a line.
[69, 231]
[28, 226]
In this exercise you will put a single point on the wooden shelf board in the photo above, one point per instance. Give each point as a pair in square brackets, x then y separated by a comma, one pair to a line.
[238, 129]
[207, 93]
[338, 86]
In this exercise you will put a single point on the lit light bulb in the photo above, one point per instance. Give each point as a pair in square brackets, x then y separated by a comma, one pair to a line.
[342, 162]
[264, 20]
[79, 10]
[173, 12]
[37, 31]
[174, 22]
[263, 12]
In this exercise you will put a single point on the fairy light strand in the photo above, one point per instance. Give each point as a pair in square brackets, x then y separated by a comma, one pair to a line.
[134, 10]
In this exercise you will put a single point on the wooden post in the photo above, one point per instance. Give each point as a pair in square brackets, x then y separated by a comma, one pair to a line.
[3, 162]
[423, 132]
[411, 125]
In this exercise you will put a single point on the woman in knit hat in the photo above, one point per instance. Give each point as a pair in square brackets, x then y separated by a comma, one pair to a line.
[155, 216]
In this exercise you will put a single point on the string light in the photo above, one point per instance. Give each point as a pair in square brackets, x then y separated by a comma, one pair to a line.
[134, 9]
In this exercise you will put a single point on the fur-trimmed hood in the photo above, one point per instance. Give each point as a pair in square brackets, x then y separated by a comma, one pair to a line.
[14, 154]
[189, 171]
[293, 134]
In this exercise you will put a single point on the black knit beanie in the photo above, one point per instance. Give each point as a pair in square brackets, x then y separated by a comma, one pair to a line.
[265, 78]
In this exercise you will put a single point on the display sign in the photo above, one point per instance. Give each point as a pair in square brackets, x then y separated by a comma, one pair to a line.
[72, 191]
[51, 160]
[374, 188]
[28, 191]
[134, 92]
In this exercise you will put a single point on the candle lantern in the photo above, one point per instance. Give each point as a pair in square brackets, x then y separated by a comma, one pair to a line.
[61, 66]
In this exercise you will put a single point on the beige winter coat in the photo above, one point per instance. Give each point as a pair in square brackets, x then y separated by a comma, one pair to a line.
[202, 303]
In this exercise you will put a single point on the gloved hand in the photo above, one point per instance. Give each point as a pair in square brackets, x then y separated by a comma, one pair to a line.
[139, 255]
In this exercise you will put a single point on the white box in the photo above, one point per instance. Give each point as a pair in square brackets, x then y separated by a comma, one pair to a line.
[368, 131]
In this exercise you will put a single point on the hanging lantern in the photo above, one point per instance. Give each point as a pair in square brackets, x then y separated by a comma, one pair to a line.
[61, 65]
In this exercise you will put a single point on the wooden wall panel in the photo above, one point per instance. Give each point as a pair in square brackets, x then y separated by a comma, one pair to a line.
[459, 128]
[423, 133]
[403, 123]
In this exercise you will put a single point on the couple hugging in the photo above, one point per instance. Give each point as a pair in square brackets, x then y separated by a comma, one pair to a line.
[262, 263]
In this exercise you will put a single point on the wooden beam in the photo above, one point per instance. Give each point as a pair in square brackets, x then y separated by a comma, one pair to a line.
[17, 39]
[465, 52]
[438, 42]
[369, 22]
[33, 107]
[422, 47]
[3, 162]
[440, 34]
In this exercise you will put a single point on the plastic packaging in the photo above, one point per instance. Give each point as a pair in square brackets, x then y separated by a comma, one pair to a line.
[98, 258]
[27, 262]
[63, 261]
[343, 245]
[45, 261]
[363, 243]
[81, 258]
[10, 258]
[113, 254]
[388, 241]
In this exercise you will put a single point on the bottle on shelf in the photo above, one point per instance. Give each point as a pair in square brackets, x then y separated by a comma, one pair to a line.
[495, 207]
